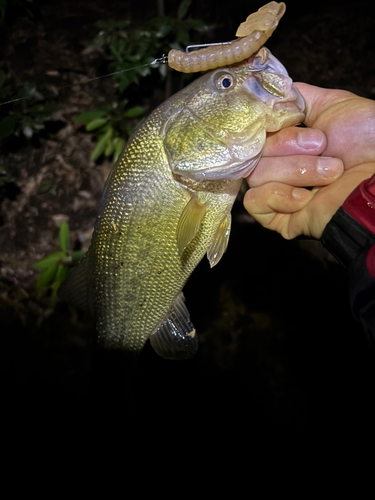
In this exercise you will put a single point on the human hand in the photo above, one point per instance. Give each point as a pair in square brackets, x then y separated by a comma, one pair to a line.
[332, 156]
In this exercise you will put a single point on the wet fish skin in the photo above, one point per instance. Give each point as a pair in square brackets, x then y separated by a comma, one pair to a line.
[167, 202]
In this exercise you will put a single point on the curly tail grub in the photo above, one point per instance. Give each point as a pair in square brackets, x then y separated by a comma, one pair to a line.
[255, 31]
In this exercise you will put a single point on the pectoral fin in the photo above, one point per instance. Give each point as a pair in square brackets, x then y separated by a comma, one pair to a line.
[189, 223]
[220, 241]
[176, 337]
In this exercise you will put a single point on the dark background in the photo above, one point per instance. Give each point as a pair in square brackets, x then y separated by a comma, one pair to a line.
[279, 351]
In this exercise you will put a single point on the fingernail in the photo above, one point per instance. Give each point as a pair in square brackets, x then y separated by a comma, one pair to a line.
[310, 139]
[301, 194]
[329, 167]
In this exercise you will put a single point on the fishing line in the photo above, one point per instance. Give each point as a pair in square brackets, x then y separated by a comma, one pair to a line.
[158, 60]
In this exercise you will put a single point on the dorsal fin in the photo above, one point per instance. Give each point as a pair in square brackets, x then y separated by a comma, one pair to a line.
[176, 338]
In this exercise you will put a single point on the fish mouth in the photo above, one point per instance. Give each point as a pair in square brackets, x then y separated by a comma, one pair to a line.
[270, 83]
[289, 115]
[288, 112]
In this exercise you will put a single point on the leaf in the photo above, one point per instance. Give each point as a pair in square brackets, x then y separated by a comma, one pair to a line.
[49, 261]
[77, 255]
[64, 236]
[46, 277]
[119, 146]
[109, 149]
[102, 144]
[197, 25]
[133, 112]
[98, 149]
[7, 125]
[183, 37]
[97, 123]
[165, 27]
[89, 116]
[183, 8]
[61, 273]
[47, 186]
[28, 89]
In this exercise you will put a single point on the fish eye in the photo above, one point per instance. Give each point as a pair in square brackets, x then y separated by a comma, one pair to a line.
[224, 81]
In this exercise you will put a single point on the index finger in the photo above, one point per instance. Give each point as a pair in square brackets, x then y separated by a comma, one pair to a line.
[295, 141]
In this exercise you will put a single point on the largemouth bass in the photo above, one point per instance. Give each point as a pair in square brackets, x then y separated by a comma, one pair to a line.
[167, 202]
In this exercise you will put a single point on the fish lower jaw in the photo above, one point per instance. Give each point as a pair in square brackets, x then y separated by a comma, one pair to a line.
[285, 115]
[288, 112]
[229, 172]
[244, 169]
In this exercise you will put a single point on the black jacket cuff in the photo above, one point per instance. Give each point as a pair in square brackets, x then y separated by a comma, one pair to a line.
[345, 238]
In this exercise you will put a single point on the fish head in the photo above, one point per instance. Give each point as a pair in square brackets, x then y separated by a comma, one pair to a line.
[219, 126]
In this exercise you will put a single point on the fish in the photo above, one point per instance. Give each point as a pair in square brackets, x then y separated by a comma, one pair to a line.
[167, 202]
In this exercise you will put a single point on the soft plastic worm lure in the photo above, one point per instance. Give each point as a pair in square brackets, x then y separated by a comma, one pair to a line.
[253, 33]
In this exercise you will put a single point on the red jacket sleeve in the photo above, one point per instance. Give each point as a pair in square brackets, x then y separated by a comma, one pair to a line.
[350, 237]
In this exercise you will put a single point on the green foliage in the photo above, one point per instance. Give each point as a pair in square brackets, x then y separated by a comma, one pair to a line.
[109, 128]
[25, 117]
[129, 48]
[130, 51]
[55, 267]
